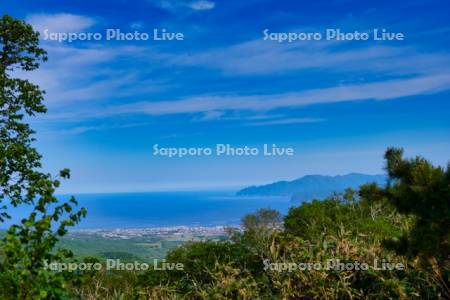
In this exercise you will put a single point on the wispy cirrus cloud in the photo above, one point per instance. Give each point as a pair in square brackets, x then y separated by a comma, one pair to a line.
[87, 74]
[176, 5]
[202, 5]
[382, 90]
[285, 121]
[259, 57]
[61, 22]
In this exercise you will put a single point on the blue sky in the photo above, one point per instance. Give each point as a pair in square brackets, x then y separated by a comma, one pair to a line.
[339, 104]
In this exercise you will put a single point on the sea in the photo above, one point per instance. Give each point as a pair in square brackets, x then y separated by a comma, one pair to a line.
[164, 209]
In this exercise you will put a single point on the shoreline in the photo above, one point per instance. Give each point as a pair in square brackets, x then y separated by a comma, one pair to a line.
[128, 233]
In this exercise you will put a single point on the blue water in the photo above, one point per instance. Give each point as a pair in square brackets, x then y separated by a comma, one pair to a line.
[138, 210]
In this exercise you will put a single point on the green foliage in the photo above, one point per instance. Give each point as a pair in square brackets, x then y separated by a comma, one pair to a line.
[352, 227]
[258, 231]
[362, 217]
[201, 258]
[263, 219]
[419, 189]
[313, 219]
[410, 215]
[28, 244]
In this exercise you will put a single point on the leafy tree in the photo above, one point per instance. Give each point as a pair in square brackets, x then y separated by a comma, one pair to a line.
[259, 231]
[28, 244]
[264, 218]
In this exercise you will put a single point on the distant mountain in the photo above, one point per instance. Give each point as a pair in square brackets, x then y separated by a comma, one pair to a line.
[312, 186]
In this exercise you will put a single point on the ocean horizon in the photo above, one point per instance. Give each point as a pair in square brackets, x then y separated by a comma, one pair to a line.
[163, 209]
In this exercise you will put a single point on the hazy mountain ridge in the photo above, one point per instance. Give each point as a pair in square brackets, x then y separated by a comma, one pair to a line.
[312, 186]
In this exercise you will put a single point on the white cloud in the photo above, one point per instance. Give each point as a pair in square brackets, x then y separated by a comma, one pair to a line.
[88, 74]
[382, 90]
[286, 121]
[258, 57]
[62, 22]
[136, 25]
[210, 116]
[75, 75]
[201, 5]
[176, 5]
